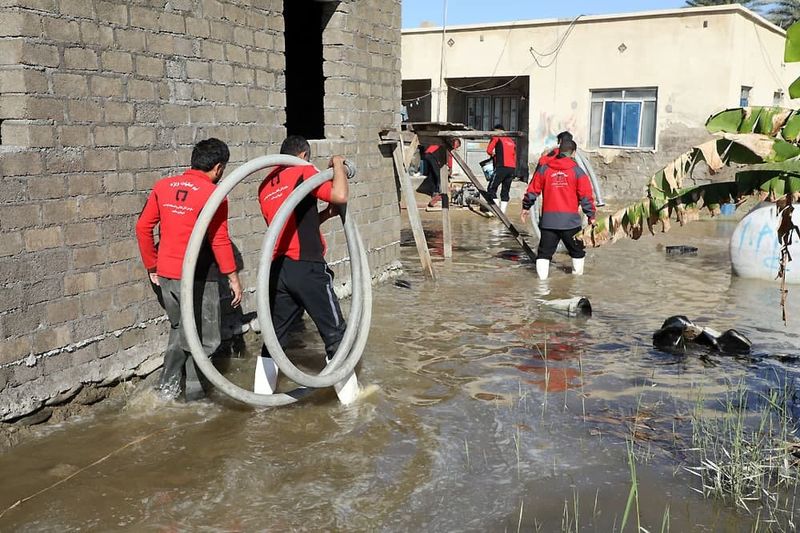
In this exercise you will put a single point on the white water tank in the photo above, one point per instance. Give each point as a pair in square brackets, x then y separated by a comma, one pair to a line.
[755, 251]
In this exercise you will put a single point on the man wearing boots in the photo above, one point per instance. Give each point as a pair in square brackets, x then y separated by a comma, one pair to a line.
[504, 154]
[564, 188]
[174, 205]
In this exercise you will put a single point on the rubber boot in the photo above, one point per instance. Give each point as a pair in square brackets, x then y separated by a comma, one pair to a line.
[503, 206]
[348, 389]
[266, 378]
[577, 266]
[543, 268]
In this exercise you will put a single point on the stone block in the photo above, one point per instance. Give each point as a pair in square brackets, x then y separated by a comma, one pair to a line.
[142, 90]
[97, 302]
[95, 207]
[127, 204]
[106, 86]
[59, 212]
[23, 80]
[10, 244]
[87, 257]
[149, 67]
[101, 159]
[83, 111]
[63, 30]
[20, 216]
[94, 34]
[14, 349]
[74, 136]
[118, 182]
[70, 85]
[84, 233]
[133, 160]
[48, 339]
[115, 275]
[141, 136]
[118, 112]
[109, 136]
[21, 164]
[80, 59]
[112, 12]
[117, 61]
[42, 239]
[80, 283]
[63, 310]
[27, 134]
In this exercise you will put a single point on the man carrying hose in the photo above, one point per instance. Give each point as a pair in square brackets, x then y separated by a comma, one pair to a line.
[300, 279]
[174, 205]
[564, 187]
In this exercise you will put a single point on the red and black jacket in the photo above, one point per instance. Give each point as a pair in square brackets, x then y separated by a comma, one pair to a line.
[300, 238]
[503, 151]
[174, 205]
[564, 188]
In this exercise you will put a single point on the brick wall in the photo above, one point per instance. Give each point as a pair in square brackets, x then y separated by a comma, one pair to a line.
[98, 99]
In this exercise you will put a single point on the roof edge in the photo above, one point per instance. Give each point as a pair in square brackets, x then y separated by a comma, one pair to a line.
[663, 13]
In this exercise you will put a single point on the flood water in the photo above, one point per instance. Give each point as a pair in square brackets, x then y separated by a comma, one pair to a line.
[484, 410]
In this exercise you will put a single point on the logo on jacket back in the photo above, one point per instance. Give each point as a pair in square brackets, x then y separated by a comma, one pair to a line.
[559, 179]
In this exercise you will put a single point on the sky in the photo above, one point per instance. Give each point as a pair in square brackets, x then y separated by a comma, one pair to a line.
[478, 11]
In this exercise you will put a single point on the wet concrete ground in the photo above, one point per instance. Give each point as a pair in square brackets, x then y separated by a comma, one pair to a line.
[483, 410]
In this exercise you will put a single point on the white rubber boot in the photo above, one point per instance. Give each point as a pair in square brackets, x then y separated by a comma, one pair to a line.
[543, 268]
[266, 380]
[496, 200]
[348, 389]
[503, 206]
[577, 266]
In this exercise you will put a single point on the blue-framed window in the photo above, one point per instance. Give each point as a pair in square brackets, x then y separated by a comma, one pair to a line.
[623, 118]
[744, 96]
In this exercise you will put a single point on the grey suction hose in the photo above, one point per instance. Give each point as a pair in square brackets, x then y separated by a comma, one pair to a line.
[586, 165]
[355, 337]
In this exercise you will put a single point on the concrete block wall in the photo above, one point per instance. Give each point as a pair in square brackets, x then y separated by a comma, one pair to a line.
[98, 100]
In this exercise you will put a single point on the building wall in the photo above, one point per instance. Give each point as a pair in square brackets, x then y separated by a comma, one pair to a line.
[697, 58]
[99, 99]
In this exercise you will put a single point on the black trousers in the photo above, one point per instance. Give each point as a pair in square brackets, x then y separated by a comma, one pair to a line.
[433, 173]
[503, 176]
[297, 286]
[549, 242]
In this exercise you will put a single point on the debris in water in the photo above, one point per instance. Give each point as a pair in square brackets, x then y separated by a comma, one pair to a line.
[681, 250]
[402, 284]
[510, 255]
[678, 333]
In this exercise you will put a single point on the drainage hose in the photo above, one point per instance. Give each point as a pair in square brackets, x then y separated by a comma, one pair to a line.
[355, 337]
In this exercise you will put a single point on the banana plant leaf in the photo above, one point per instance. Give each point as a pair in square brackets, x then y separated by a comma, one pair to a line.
[777, 176]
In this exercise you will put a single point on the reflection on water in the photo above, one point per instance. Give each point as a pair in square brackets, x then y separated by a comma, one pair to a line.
[487, 413]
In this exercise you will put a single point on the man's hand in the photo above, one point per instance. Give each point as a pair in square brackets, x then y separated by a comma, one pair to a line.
[592, 222]
[236, 289]
[525, 215]
[336, 160]
[154, 278]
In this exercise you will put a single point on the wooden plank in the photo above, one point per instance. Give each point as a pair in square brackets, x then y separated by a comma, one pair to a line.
[494, 207]
[412, 149]
[413, 213]
[447, 234]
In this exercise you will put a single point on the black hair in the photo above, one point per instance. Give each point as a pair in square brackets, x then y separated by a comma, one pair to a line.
[498, 127]
[567, 147]
[208, 153]
[564, 136]
[295, 145]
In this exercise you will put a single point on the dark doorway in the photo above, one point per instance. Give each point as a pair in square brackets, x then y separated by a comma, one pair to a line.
[304, 22]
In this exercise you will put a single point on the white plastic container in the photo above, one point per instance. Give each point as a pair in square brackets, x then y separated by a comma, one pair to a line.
[755, 250]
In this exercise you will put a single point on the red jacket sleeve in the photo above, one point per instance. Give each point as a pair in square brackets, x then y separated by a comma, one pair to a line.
[585, 194]
[220, 240]
[148, 219]
[490, 148]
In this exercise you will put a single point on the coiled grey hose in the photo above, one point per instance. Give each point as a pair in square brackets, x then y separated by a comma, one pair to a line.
[355, 337]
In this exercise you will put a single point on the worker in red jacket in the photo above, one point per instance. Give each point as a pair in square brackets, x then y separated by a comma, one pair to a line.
[174, 205]
[504, 154]
[564, 188]
[548, 156]
[300, 279]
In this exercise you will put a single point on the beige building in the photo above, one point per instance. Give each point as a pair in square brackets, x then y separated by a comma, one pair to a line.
[635, 88]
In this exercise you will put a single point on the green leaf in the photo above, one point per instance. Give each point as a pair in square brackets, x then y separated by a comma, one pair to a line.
[791, 53]
[727, 121]
[791, 130]
[794, 89]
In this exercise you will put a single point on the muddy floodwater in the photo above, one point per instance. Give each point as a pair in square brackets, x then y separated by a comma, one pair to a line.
[483, 410]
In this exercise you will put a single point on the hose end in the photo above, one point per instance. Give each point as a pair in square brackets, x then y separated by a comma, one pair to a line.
[351, 168]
